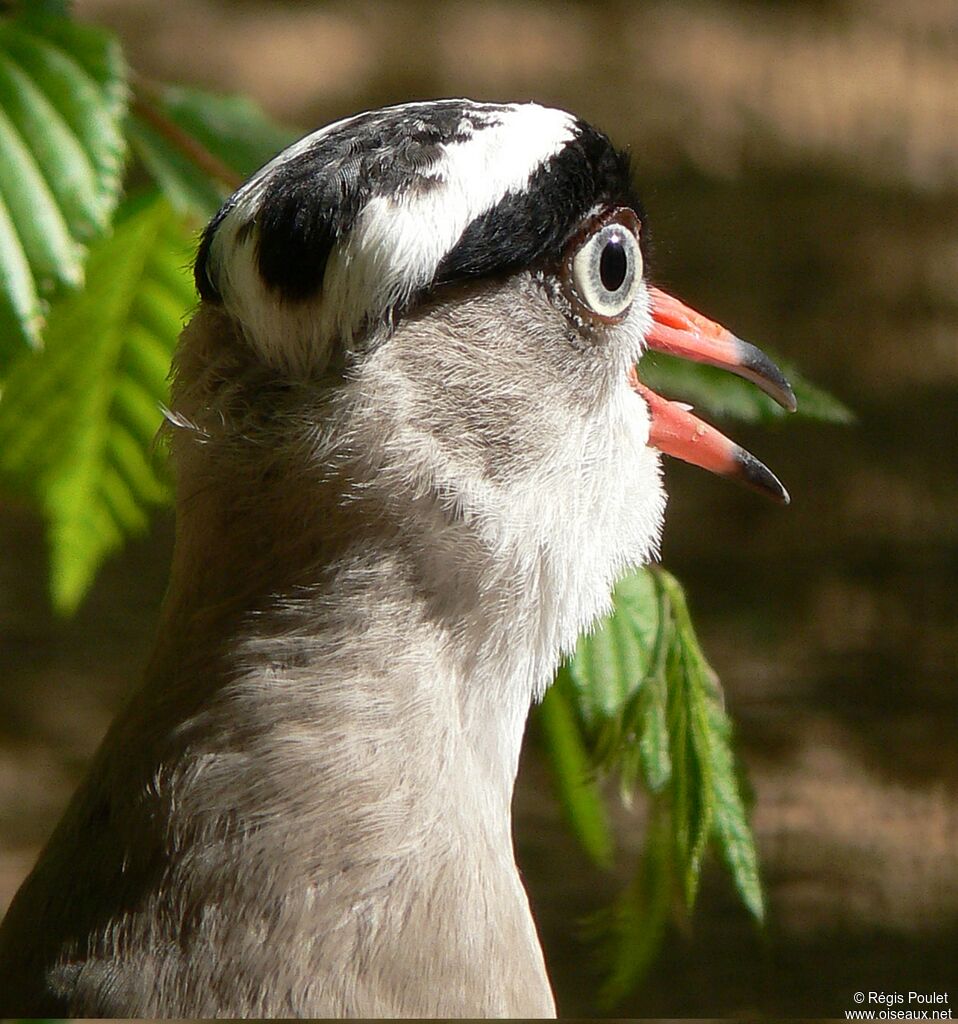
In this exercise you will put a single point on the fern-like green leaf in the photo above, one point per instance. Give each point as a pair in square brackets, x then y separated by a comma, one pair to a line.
[639, 698]
[574, 772]
[62, 100]
[632, 929]
[652, 730]
[609, 664]
[707, 805]
[232, 129]
[78, 420]
[724, 395]
[732, 832]
[691, 790]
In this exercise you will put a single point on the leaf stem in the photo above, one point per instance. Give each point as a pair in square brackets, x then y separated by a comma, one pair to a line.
[146, 104]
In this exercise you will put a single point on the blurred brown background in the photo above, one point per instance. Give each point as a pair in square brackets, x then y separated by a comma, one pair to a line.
[799, 163]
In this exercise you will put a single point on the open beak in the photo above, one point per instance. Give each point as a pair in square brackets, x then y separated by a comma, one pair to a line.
[680, 331]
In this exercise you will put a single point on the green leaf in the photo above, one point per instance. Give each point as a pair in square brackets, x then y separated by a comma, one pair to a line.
[574, 772]
[636, 740]
[62, 99]
[689, 681]
[634, 926]
[639, 698]
[732, 832]
[706, 802]
[78, 420]
[609, 664]
[813, 402]
[232, 129]
[724, 395]
[656, 758]
[691, 788]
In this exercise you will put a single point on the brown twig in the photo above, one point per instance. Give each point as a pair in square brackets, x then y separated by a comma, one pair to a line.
[146, 105]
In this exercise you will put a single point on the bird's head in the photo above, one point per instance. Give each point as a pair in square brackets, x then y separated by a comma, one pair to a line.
[471, 279]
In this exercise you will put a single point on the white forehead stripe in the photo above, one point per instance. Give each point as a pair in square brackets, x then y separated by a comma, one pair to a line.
[397, 242]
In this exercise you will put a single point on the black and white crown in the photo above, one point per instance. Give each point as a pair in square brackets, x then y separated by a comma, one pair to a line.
[351, 224]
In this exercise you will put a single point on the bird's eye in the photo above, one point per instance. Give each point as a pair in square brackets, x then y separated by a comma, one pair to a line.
[604, 268]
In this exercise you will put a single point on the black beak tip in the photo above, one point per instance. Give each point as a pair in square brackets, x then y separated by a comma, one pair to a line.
[788, 400]
[759, 477]
[765, 374]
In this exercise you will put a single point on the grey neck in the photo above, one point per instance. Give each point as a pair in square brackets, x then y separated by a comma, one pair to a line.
[336, 624]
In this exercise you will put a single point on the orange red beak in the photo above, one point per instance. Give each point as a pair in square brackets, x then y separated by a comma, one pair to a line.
[681, 331]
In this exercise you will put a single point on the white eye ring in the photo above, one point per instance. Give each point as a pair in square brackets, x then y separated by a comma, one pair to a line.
[606, 270]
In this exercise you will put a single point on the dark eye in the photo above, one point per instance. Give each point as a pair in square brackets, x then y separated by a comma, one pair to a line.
[606, 268]
[613, 265]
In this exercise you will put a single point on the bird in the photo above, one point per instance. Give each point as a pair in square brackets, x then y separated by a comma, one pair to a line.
[412, 457]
